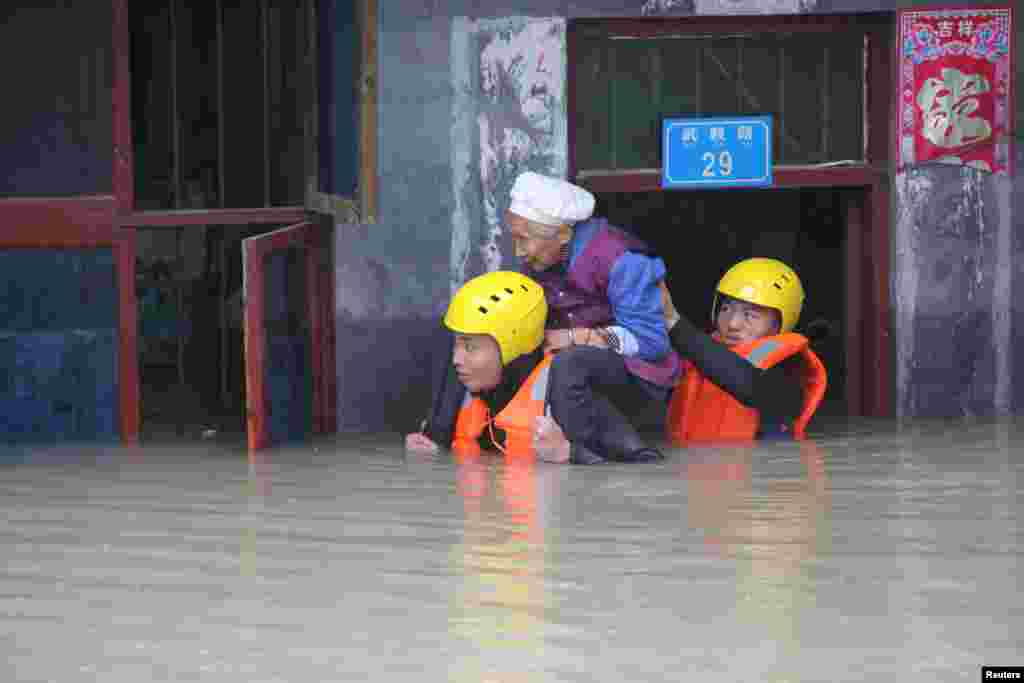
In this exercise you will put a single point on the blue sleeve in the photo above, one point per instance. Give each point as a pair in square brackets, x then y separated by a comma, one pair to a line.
[636, 302]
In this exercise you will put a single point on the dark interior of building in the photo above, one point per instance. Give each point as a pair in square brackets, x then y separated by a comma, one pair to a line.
[701, 234]
[221, 98]
[191, 350]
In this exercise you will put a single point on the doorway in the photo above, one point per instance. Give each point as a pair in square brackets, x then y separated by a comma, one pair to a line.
[191, 362]
[222, 99]
[701, 234]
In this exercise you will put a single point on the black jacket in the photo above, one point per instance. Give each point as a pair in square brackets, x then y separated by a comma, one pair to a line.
[774, 392]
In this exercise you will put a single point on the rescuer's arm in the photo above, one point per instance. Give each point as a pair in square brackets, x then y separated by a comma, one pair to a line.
[439, 425]
[774, 392]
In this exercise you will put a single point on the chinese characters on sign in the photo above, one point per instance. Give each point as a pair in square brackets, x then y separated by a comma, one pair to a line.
[955, 81]
[716, 134]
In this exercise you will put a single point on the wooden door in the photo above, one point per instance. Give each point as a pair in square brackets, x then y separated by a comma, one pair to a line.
[284, 336]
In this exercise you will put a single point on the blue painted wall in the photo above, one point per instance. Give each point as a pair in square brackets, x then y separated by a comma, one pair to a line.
[58, 345]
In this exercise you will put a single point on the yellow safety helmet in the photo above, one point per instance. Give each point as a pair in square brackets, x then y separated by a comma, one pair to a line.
[506, 305]
[765, 282]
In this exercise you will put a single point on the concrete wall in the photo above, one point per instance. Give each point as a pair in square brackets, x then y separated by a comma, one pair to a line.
[473, 91]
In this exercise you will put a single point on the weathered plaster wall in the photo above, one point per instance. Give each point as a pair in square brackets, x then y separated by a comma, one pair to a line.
[958, 275]
[392, 276]
[508, 117]
[952, 295]
[472, 91]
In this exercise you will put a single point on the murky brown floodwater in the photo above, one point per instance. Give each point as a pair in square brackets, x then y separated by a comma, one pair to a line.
[879, 553]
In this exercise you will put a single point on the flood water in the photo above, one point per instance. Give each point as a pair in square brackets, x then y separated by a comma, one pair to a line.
[877, 552]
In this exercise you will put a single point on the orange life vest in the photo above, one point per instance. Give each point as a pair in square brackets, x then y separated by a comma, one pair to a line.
[517, 419]
[700, 410]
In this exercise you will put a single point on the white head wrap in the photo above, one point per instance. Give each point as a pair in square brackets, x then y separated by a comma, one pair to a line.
[550, 202]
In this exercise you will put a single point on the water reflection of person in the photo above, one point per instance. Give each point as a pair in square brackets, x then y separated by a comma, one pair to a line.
[500, 609]
[257, 490]
[773, 535]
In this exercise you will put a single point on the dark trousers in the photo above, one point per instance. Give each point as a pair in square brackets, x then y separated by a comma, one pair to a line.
[591, 393]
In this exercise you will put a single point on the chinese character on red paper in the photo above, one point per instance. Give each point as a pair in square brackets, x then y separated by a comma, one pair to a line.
[955, 87]
[950, 107]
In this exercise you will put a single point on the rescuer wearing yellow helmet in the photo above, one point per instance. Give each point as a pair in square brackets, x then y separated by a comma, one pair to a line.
[502, 390]
[753, 377]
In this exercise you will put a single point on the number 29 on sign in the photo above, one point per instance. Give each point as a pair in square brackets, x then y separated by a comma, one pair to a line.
[717, 165]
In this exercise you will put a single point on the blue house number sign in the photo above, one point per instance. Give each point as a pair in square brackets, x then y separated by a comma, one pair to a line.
[733, 151]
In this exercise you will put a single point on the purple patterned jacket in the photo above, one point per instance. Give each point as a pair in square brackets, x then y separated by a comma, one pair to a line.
[579, 297]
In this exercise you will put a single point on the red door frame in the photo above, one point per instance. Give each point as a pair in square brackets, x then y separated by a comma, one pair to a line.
[306, 236]
[870, 391]
[124, 220]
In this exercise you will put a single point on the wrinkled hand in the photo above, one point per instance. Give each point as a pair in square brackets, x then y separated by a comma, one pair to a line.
[420, 443]
[669, 308]
[556, 340]
[549, 441]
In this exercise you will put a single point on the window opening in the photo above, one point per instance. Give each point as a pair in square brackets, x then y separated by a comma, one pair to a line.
[223, 96]
[810, 82]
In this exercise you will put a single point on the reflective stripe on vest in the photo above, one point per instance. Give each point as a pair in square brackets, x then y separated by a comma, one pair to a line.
[516, 419]
[762, 351]
[540, 383]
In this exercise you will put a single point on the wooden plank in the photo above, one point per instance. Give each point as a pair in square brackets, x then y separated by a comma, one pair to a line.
[680, 96]
[880, 321]
[79, 222]
[244, 149]
[588, 103]
[219, 57]
[267, 106]
[314, 314]
[254, 343]
[368, 114]
[881, 112]
[310, 114]
[128, 350]
[854, 313]
[717, 64]
[124, 181]
[640, 28]
[633, 129]
[649, 180]
[846, 97]
[801, 122]
[255, 250]
[174, 219]
[327, 303]
[176, 147]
